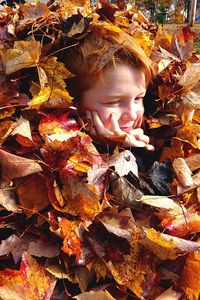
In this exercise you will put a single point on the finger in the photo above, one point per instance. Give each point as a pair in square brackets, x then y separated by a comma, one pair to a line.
[150, 147]
[137, 131]
[115, 125]
[131, 141]
[99, 126]
[144, 138]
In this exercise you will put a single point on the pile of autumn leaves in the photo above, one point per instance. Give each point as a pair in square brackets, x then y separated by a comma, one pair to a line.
[64, 234]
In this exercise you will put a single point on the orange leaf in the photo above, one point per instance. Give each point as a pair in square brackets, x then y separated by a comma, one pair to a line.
[190, 277]
[81, 199]
[71, 243]
[30, 282]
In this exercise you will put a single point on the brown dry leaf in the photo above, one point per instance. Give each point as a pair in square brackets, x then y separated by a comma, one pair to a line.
[165, 246]
[168, 207]
[14, 166]
[22, 128]
[8, 91]
[81, 199]
[190, 77]
[190, 277]
[77, 28]
[183, 172]
[196, 183]
[6, 112]
[124, 162]
[33, 195]
[175, 151]
[43, 248]
[83, 276]
[93, 295]
[5, 130]
[25, 54]
[100, 269]
[32, 11]
[169, 294]
[56, 269]
[189, 133]
[193, 162]
[133, 267]
[8, 197]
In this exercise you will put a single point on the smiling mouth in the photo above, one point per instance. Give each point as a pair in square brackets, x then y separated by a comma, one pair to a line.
[126, 128]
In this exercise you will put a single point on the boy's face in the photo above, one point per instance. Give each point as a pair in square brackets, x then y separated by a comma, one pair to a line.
[119, 90]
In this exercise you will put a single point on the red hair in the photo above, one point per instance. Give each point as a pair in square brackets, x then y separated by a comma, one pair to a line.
[99, 50]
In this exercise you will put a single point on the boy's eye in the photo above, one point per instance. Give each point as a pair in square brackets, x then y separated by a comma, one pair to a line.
[113, 102]
[139, 99]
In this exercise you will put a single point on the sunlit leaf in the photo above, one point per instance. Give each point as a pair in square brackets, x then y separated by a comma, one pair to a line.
[25, 54]
[30, 282]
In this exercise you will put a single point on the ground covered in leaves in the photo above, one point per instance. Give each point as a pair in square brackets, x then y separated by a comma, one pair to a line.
[67, 231]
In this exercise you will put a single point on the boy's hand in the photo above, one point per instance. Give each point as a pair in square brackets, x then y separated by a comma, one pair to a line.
[136, 138]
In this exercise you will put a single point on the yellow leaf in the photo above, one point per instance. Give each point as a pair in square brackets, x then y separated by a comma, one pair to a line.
[143, 39]
[54, 95]
[154, 241]
[109, 27]
[165, 246]
[78, 163]
[81, 199]
[55, 72]
[189, 133]
[190, 278]
[25, 54]
[132, 272]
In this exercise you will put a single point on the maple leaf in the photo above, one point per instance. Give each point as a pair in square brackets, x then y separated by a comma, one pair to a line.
[14, 166]
[8, 91]
[167, 206]
[190, 77]
[8, 197]
[193, 162]
[22, 131]
[93, 295]
[169, 294]
[72, 243]
[55, 73]
[25, 54]
[50, 94]
[30, 282]
[33, 195]
[80, 199]
[165, 246]
[124, 162]
[33, 11]
[133, 267]
[5, 130]
[190, 277]
[189, 133]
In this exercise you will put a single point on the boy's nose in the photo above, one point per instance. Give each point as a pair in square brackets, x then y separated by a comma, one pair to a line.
[129, 114]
